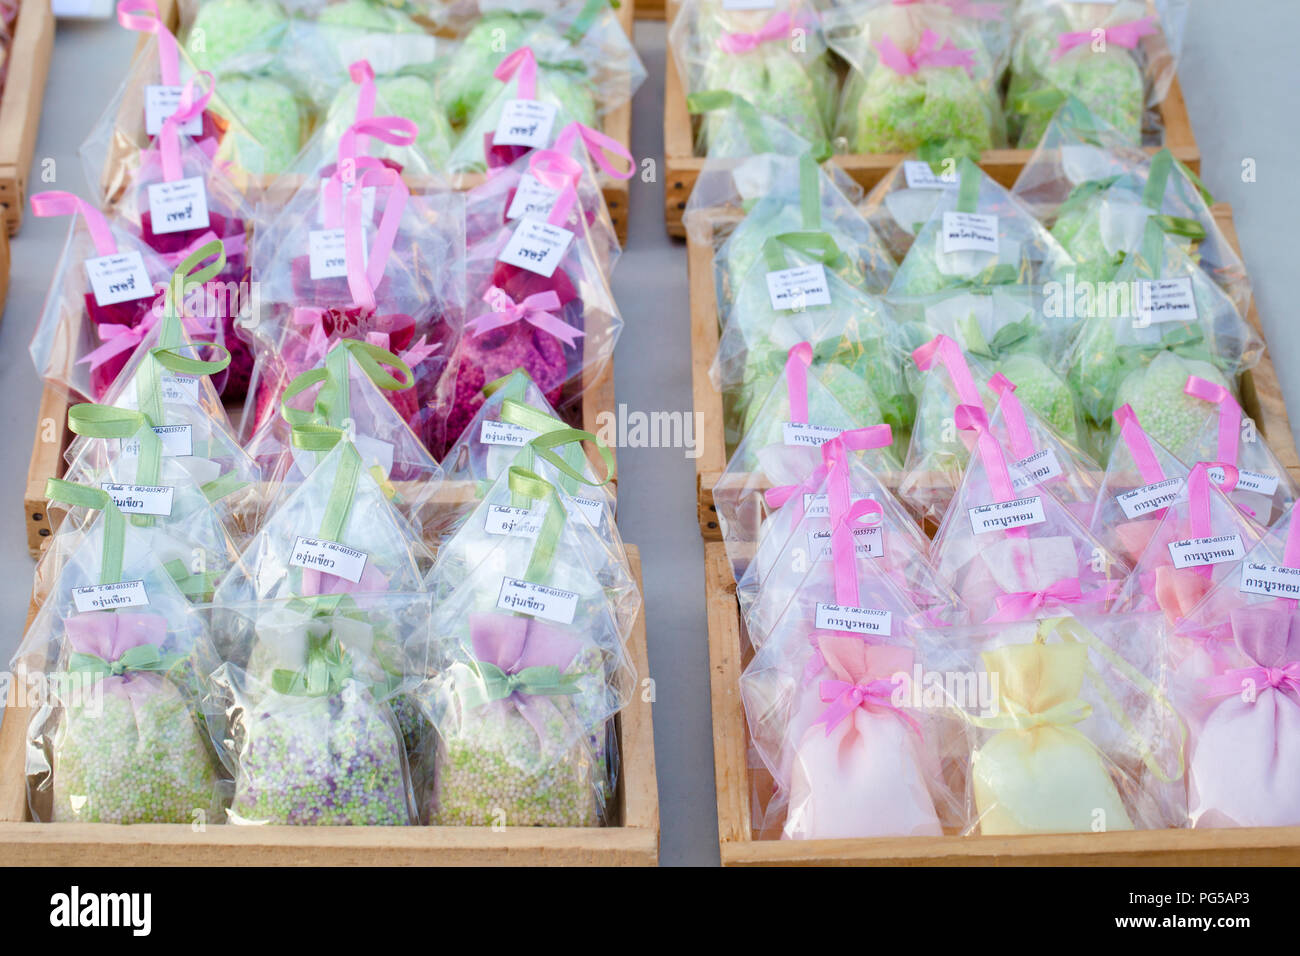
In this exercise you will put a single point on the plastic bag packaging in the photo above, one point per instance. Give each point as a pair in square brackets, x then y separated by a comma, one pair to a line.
[1007, 330]
[348, 392]
[1071, 727]
[1200, 541]
[864, 765]
[783, 447]
[1142, 479]
[514, 413]
[150, 92]
[1118, 58]
[505, 522]
[370, 261]
[526, 113]
[100, 303]
[1011, 555]
[979, 235]
[903, 201]
[533, 183]
[538, 300]
[337, 532]
[790, 297]
[167, 383]
[791, 550]
[921, 78]
[234, 35]
[306, 728]
[775, 57]
[1263, 490]
[1235, 685]
[407, 95]
[114, 737]
[733, 128]
[527, 668]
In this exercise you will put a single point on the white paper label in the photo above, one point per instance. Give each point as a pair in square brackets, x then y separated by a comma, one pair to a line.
[1195, 552]
[857, 620]
[327, 250]
[1166, 300]
[525, 123]
[919, 175]
[808, 436]
[1149, 498]
[106, 597]
[538, 600]
[818, 506]
[516, 522]
[328, 556]
[178, 206]
[867, 542]
[505, 433]
[180, 389]
[1273, 580]
[970, 232]
[1038, 467]
[532, 198]
[161, 102]
[177, 442]
[118, 278]
[537, 246]
[1002, 515]
[1255, 481]
[589, 508]
[389, 52]
[799, 288]
[140, 499]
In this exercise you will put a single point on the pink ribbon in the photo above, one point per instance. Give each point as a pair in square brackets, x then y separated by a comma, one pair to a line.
[168, 54]
[599, 147]
[1020, 605]
[127, 338]
[796, 381]
[419, 351]
[948, 353]
[928, 54]
[855, 439]
[1199, 519]
[846, 516]
[973, 418]
[534, 310]
[1139, 445]
[1126, 35]
[363, 75]
[1229, 418]
[317, 340]
[1013, 413]
[57, 203]
[557, 171]
[844, 698]
[234, 245]
[169, 143]
[352, 158]
[775, 28]
[524, 64]
[1234, 681]
[363, 276]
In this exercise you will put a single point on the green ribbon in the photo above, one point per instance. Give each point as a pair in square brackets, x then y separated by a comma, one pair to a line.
[193, 585]
[708, 101]
[108, 421]
[815, 245]
[222, 486]
[342, 495]
[1153, 194]
[1180, 226]
[810, 193]
[1004, 340]
[497, 684]
[554, 434]
[511, 385]
[529, 486]
[968, 194]
[96, 499]
[143, 658]
[567, 66]
[326, 669]
[333, 405]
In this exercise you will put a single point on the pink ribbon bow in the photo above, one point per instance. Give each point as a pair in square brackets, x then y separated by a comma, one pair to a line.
[1021, 605]
[127, 338]
[844, 698]
[1234, 681]
[419, 351]
[928, 54]
[533, 310]
[1126, 35]
[599, 147]
[522, 62]
[775, 28]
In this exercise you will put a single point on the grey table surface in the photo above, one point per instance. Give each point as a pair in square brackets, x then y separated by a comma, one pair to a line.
[1240, 78]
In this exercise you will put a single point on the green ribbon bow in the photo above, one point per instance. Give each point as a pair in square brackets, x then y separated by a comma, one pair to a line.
[553, 434]
[143, 658]
[327, 668]
[96, 499]
[108, 421]
[531, 681]
[333, 404]
[1006, 339]
[511, 385]
[811, 244]
[528, 487]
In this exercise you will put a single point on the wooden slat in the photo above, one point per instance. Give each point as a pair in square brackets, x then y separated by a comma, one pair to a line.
[48, 444]
[20, 108]
[651, 10]
[4, 269]
[633, 843]
[730, 732]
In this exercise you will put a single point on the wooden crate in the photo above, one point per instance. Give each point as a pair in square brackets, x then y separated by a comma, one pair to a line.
[617, 124]
[1261, 392]
[682, 167]
[4, 270]
[736, 783]
[20, 105]
[652, 10]
[632, 838]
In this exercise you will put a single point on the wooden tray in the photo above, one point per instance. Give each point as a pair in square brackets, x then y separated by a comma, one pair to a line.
[617, 124]
[740, 845]
[682, 167]
[1261, 393]
[632, 839]
[20, 105]
[652, 10]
